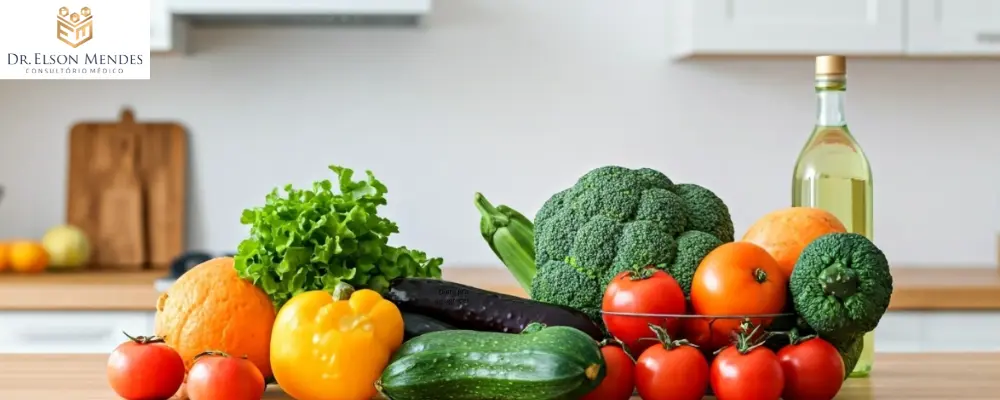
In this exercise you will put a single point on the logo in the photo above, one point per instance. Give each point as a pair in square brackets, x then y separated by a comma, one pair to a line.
[74, 29]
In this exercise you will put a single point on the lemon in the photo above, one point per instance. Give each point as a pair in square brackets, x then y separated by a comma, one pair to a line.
[67, 246]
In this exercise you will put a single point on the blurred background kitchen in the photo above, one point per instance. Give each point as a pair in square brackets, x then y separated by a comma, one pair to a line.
[514, 99]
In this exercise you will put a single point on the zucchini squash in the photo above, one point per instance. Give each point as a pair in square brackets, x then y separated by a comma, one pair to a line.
[551, 363]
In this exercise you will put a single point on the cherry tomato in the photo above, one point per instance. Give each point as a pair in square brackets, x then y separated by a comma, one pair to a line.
[644, 290]
[619, 381]
[145, 368]
[738, 278]
[217, 376]
[671, 370]
[754, 375]
[698, 331]
[812, 368]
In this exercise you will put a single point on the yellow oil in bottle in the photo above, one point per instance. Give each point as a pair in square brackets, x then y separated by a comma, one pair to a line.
[832, 171]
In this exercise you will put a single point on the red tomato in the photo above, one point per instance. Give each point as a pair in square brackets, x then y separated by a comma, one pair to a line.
[217, 376]
[647, 291]
[698, 330]
[738, 278]
[145, 368]
[671, 372]
[813, 370]
[755, 375]
[619, 381]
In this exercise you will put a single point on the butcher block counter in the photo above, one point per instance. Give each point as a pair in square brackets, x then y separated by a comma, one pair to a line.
[896, 377]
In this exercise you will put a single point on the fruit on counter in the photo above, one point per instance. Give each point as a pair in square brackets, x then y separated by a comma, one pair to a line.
[841, 285]
[327, 347]
[812, 368]
[612, 219]
[471, 308]
[27, 256]
[211, 308]
[511, 236]
[313, 239]
[785, 232]
[4, 256]
[415, 324]
[671, 370]
[619, 380]
[144, 368]
[67, 247]
[217, 375]
[746, 370]
[642, 290]
[542, 363]
[738, 278]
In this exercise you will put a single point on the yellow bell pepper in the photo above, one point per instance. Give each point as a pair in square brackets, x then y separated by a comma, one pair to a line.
[327, 347]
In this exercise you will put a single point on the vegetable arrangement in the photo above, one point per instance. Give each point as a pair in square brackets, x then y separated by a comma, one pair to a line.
[636, 283]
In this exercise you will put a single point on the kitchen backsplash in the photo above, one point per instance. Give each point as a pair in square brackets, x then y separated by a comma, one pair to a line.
[516, 99]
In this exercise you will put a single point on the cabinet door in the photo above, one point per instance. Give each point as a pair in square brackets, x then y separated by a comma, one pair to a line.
[789, 27]
[953, 28]
[70, 331]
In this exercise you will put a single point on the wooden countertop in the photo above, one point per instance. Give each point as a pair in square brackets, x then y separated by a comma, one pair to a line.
[896, 377]
[916, 289]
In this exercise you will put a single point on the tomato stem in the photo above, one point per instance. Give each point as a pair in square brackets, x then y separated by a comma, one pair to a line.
[793, 336]
[760, 275]
[663, 337]
[747, 339]
[211, 353]
[144, 339]
[613, 341]
[641, 272]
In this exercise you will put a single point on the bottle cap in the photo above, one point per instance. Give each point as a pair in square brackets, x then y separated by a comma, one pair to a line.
[831, 65]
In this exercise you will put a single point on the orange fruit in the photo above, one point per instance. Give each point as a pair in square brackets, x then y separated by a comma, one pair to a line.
[27, 256]
[210, 308]
[784, 233]
[4, 256]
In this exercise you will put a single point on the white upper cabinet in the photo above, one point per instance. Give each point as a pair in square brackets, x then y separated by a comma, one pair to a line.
[166, 33]
[788, 27]
[953, 27]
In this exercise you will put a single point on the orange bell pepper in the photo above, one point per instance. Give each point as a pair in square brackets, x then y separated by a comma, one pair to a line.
[327, 347]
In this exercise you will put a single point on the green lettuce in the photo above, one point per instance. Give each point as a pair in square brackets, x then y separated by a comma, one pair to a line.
[314, 239]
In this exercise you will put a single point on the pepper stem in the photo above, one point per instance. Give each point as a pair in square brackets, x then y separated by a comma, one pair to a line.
[342, 291]
[838, 280]
[489, 212]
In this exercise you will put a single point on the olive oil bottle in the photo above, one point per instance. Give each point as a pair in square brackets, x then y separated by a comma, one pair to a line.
[832, 171]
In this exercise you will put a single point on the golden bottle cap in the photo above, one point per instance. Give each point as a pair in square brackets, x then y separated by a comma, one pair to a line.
[831, 65]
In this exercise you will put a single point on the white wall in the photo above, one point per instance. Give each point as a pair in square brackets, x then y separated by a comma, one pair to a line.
[516, 99]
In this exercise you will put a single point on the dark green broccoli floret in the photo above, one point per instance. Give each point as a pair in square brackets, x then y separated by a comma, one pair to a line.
[615, 218]
[841, 285]
[552, 278]
[706, 211]
[692, 246]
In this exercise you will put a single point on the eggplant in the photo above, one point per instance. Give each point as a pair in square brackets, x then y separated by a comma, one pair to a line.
[467, 307]
[418, 324]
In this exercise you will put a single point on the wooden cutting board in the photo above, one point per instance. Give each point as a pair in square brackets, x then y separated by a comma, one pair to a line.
[127, 190]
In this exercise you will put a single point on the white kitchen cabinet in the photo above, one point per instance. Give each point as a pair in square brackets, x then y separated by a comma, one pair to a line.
[953, 27]
[70, 331]
[788, 27]
[166, 33]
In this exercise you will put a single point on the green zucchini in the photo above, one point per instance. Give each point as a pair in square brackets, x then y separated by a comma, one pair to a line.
[552, 363]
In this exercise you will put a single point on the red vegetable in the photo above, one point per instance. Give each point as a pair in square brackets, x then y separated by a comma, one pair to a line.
[812, 367]
[216, 376]
[619, 381]
[644, 290]
[747, 371]
[672, 370]
[145, 368]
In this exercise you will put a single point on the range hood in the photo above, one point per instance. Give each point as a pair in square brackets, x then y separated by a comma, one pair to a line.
[347, 12]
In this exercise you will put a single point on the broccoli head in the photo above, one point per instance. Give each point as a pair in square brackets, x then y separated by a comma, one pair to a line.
[615, 218]
[841, 285]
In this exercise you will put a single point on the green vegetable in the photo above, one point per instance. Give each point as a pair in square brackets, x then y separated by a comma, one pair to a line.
[616, 218]
[511, 236]
[542, 363]
[851, 354]
[315, 239]
[841, 285]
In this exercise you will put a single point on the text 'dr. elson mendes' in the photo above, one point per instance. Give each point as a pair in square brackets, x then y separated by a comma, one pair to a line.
[60, 39]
